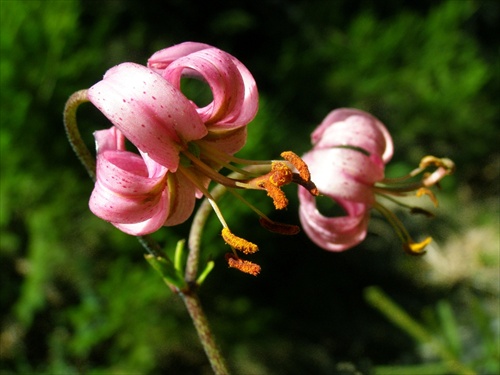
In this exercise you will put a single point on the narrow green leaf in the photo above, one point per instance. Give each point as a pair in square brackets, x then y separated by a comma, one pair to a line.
[166, 269]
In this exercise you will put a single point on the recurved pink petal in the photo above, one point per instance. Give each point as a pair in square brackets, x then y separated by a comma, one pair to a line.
[345, 174]
[217, 69]
[228, 142]
[150, 225]
[109, 139]
[123, 191]
[156, 117]
[182, 199]
[234, 91]
[333, 233]
[353, 127]
[128, 192]
[163, 58]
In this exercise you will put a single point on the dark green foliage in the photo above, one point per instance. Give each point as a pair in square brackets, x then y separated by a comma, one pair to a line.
[77, 296]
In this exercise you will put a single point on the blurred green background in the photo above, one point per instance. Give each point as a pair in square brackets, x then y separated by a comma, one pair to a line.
[77, 296]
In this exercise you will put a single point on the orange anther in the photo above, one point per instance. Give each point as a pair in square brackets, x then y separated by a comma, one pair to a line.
[280, 174]
[242, 265]
[298, 163]
[429, 193]
[239, 243]
[416, 248]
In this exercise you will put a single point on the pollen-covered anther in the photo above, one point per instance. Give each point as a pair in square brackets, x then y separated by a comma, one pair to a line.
[277, 195]
[298, 163]
[246, 247]
[304, 176]
[429, 193]
[445, 163]
[242, 265]
[417, 248]
[280, 174]
[280, 228]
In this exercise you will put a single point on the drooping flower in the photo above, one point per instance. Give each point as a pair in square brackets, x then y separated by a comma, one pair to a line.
[181, 147]
[347, 161]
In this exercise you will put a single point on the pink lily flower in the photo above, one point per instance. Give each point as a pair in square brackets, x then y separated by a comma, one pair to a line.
[344, 174]
[181, 147]
[163, 124]
[347, 162]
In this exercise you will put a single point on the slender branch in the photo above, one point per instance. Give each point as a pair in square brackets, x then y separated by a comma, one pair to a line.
[74, 136]
[200, 322]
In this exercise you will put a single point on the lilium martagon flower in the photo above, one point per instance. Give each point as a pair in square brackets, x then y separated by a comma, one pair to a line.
[182, 147]
[350, 151]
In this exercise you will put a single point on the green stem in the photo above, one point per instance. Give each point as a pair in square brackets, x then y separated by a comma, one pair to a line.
[190, 298]
[200, 322]
[194, 242]
[74, 137]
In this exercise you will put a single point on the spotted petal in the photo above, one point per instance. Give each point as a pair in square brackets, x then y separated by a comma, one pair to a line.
[124, 192]
[333, 233]
[356, 128]
[235, 96]
[155, 116]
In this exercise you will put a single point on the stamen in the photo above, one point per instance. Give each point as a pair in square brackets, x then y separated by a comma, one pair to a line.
[280, 228]
[280, 174]
[416, 248]
[211, 150]
[277, 195]
[430, 160]
[238, 243]
[298, 163]
[225, 160]
[409, 246]
[304, 178]
[444, 167]
[433, 178]
[413, 209]
[428, 192]
[308, 185]
[209, 171]
[242, 265]
[193, 178]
